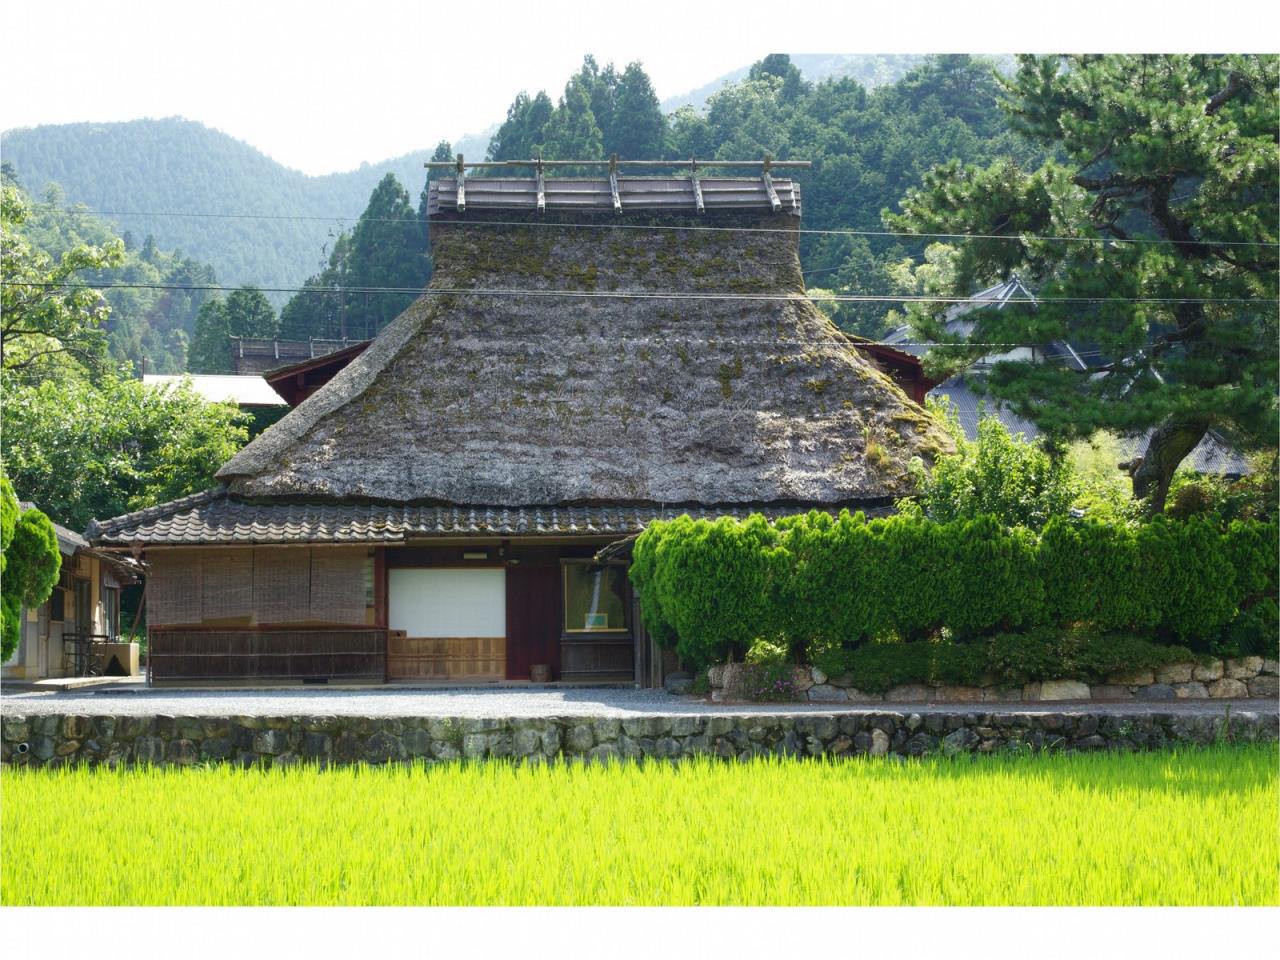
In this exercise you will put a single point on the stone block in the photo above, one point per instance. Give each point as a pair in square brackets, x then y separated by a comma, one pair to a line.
[45, 725]
[826, 693]
[16, 729]
[879, 745]
[909, 693]
[1174, 673]
[1264, 686]
[802, 679]
[959, 741]
[317, 745]
[1110, 691]
[64, 748]
[270, 742]
[76, 727]
[1270, 667]
[1228, 688]
[950, 694]
[1064, 690]
[182, 752]
[1136, 678]
[145, 750]
[686, 726]
[1194, 690]
[475, 745]
[818, 676]
[1001, 694]
[216, 748]
[715, 675]
[581, 738]
[607, 728]
[1243, 668]
[604, 753]
[526, 741]
[1156, 691]
[854, 695]
[383, 747]
[646, 726]
[1204, 672]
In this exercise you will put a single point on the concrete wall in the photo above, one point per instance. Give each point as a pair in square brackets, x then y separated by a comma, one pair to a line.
[54, 740]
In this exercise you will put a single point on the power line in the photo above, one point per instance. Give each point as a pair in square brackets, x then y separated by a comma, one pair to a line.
[619, 294]
[834, 232]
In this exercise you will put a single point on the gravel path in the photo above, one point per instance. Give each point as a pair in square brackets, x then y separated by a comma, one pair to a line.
[573, 702]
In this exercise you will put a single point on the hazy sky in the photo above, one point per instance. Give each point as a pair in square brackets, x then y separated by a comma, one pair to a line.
[324, 86]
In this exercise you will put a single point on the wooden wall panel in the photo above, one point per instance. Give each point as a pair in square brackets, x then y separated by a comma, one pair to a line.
[445, 658]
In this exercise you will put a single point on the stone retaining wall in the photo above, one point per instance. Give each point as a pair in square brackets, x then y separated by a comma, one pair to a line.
[55, 740]
[1215, 679]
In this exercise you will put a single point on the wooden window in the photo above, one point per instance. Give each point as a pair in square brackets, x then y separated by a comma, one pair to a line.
[595, 598]
[111, 611]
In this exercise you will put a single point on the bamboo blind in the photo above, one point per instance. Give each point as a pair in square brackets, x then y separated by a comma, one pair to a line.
[282, 585]
[226, 577]
[337, 584]
[263, 585]
[174, 592]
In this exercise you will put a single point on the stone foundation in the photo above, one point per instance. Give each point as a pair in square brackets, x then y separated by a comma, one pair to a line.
[1216, 679]
[55, 740]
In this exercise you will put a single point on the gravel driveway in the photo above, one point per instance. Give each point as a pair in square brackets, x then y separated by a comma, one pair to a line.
[564, 702]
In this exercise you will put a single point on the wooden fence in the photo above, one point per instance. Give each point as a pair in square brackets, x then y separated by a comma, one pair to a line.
[268, 653]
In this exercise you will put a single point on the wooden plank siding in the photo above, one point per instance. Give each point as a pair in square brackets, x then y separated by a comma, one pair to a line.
[445, 658]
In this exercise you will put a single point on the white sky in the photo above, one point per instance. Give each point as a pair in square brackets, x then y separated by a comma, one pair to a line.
[323, 86]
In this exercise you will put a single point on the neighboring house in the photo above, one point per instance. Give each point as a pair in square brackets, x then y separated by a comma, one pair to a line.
[257, 355]
[434, 510]
[1213, 455]
[85, 603]
[250, 392]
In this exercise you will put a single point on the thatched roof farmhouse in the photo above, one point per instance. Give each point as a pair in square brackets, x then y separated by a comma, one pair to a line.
[586, 358]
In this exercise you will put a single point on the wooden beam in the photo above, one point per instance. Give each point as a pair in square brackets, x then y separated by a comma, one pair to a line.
[613, 183]
[697, 187]
[462, 186]
[542, 189]
[768, 184]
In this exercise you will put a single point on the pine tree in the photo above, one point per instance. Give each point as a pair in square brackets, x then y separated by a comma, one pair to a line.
[1167, 169]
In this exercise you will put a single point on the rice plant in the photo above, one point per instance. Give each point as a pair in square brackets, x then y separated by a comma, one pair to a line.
[1193, 827]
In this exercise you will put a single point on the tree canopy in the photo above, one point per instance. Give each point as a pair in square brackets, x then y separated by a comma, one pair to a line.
[245, 313]
[1149, 234]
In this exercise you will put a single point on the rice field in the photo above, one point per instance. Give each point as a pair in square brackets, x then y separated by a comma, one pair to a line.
[1194, 827]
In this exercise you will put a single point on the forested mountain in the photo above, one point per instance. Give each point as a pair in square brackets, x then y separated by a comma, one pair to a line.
[870, 140]
[169, 166]
[869, 69]
[145, 321]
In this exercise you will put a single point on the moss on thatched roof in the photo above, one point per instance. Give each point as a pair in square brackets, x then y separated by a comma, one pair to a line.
[473, 398]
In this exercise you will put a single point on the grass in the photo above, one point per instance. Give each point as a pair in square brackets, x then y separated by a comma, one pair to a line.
[1194, 827]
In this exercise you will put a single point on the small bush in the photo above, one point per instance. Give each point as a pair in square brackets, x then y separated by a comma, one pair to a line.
[766, 682]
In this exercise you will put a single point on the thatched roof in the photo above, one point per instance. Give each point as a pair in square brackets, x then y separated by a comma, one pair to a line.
[577, 395]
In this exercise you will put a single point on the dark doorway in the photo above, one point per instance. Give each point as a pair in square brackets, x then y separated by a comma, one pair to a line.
[533, 619]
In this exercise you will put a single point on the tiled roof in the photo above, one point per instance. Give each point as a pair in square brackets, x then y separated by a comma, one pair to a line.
[214, 518]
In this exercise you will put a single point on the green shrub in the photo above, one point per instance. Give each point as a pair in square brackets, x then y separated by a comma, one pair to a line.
[767, 682]
[1091, 574]
[714, 585]
[997, 475]
[1188, 575]
[877, 667]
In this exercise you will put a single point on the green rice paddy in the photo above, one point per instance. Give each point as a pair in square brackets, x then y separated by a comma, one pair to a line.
[1194, 827]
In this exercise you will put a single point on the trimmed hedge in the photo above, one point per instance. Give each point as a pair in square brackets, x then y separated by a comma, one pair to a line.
[818, 582]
